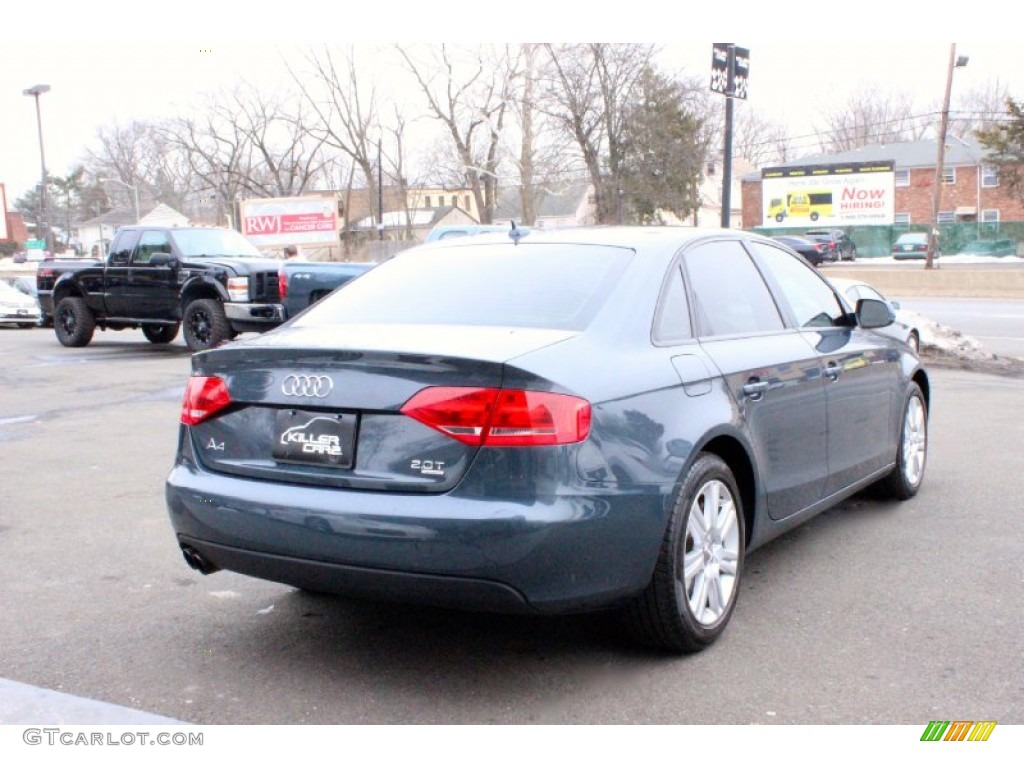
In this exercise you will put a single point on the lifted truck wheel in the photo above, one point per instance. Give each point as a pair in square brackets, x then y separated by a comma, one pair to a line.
[205, 325]
[73, 322]
[160, 334]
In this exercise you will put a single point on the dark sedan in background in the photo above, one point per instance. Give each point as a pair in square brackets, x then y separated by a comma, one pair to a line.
[584, 419]
[815, 251]
[838, 242]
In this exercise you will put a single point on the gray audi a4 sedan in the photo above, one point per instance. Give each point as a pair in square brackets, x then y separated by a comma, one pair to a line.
[576, 420]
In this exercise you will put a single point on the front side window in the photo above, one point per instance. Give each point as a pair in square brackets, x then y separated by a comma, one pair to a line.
[151, 242]
[730, 296]
[812, 301]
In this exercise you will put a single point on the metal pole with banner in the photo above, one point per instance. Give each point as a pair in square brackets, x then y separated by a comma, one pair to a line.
[730, 69]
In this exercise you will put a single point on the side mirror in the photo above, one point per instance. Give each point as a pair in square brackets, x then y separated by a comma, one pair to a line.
[872, 313]
[164, 260]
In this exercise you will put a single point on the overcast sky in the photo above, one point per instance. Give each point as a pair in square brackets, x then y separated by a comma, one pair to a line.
[102, 71]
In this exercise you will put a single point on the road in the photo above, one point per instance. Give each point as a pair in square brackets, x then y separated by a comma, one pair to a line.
[997, 323]
[872, 613]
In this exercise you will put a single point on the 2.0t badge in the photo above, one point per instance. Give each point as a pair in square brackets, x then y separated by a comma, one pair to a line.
[300, 385]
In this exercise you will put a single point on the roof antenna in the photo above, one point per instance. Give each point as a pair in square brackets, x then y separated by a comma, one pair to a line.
[515, 234]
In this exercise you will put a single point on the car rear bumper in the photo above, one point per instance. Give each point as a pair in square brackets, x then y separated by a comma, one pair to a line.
[551, 554]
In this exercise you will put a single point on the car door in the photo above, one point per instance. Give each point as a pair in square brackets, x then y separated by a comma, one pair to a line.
[772, 372]
[153, 289]
[116, 288]
[860, 368]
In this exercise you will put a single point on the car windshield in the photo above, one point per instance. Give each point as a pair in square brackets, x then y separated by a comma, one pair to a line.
[537, 286]
[214, 242]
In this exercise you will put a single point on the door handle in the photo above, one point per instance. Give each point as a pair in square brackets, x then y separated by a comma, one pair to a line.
[755, 389]
[832, 371]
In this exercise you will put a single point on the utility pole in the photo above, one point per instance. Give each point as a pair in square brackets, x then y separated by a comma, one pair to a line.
[380, 194]
[940, 161]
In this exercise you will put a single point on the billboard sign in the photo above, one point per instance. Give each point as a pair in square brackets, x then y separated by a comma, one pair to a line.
[281, 221]
[840, 194]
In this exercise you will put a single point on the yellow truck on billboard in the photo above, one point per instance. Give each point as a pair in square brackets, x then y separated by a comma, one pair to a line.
[810, 204]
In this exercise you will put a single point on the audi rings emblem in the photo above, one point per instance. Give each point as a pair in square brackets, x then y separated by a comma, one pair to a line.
[295, 385]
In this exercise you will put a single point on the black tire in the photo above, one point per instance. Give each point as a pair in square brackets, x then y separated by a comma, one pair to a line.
[160, 334]
[205, 325]
[73, 323]
[915, 342]
[912, 452]
[853, 253]
[664, 615]
[814, 217]
[779, 217]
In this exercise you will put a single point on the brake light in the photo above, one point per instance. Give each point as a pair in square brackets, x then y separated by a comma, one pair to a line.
[282, 283]
[204, 396]
[501, 417]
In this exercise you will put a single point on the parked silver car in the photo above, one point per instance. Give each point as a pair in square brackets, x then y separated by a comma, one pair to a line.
[903, 328]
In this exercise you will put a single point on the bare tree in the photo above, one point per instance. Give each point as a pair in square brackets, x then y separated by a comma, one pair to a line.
[344, 103]
[761, 141]
[869, 117]
[591, 88]
[980, 109]
[245, 144]
[468, 91]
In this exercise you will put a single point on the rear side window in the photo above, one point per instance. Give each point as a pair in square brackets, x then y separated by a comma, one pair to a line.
[558, 286]
[730, 296]
[122, 248]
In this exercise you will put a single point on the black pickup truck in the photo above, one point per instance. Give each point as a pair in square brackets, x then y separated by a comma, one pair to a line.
[210, 281]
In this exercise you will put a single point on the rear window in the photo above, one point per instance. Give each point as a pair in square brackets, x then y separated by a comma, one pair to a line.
[558, 286]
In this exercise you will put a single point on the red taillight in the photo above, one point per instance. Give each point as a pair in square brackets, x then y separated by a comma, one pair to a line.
[282, 283]
[820, 247]
[501, 417]
[204, 396]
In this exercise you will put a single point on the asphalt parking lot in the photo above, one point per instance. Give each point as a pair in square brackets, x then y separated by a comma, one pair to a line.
[872, 613]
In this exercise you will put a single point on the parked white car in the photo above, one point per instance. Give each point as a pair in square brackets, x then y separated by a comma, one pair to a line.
[17, 308]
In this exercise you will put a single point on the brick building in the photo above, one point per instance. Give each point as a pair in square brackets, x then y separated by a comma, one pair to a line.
[971, 190]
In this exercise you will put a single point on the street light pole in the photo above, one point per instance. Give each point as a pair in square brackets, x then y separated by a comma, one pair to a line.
[42, 232]
[940, 160]
[134, 190]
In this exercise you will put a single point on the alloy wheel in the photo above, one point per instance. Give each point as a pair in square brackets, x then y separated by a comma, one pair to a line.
[915, 439]
[711, 550]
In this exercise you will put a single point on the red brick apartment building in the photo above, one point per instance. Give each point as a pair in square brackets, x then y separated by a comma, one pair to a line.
[971, 189]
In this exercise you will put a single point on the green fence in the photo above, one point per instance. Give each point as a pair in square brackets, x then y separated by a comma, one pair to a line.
[1003, 239]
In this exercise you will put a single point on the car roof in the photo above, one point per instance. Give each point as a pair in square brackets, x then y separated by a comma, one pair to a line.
[635, 237]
